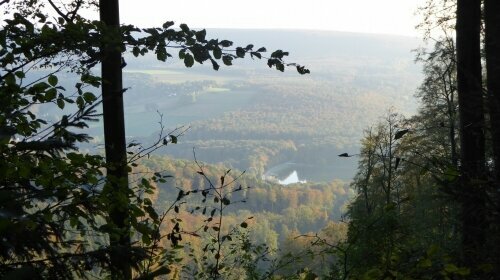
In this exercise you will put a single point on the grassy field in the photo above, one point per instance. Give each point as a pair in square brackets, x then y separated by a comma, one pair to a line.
[185, 109]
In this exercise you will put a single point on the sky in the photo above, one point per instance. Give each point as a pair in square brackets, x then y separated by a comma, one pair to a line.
[367, 16]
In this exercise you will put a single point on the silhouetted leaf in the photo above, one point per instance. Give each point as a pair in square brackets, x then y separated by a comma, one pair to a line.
[60, 103]
[217, 52]
[215, 65]
[400, 134]
[240, 52]
[225, 43]
[53, 80]
[168, 24]
[228, 60]
[200, 35]
[256, 54]
[184, 27]
[397, 163]
[188, 60]
[180, 195]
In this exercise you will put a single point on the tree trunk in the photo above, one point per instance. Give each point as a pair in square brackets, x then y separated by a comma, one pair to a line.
[473, 169]
[114, 139]
[492, 40]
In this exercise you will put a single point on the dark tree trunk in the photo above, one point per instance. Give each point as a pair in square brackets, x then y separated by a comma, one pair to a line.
[473, 168]
[114, 139]
[492, 40]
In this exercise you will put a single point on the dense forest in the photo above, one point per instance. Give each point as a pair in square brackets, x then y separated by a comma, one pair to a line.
[81, 199]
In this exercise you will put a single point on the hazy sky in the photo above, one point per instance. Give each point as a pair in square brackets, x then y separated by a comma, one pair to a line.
[371, 16]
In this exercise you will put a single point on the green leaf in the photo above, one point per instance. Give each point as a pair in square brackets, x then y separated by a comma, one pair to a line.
[151, 212]
[425, 263]
[256, 54]
[200, 35]
[50, 94]
[463, 271]
[53, 80]
[228, 60]
[302, 70]
[10, 79]
[188, 60]
[280, 66]
[279, 54]
[168, 24]
[240, 52]
[20, 74]
[215, 65]
[182, 54]
[136, 51]
[225, 43]
[217, 52]
[80, 102]
[60, 103]
[89, 97]
[161, 56]
[90, 79]
[450, 268]
[41, 17]
[184, 27]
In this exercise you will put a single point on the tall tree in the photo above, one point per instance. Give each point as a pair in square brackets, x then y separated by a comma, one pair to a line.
[492, 47]
[470, 98]
[438, 95]
[114, 138]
